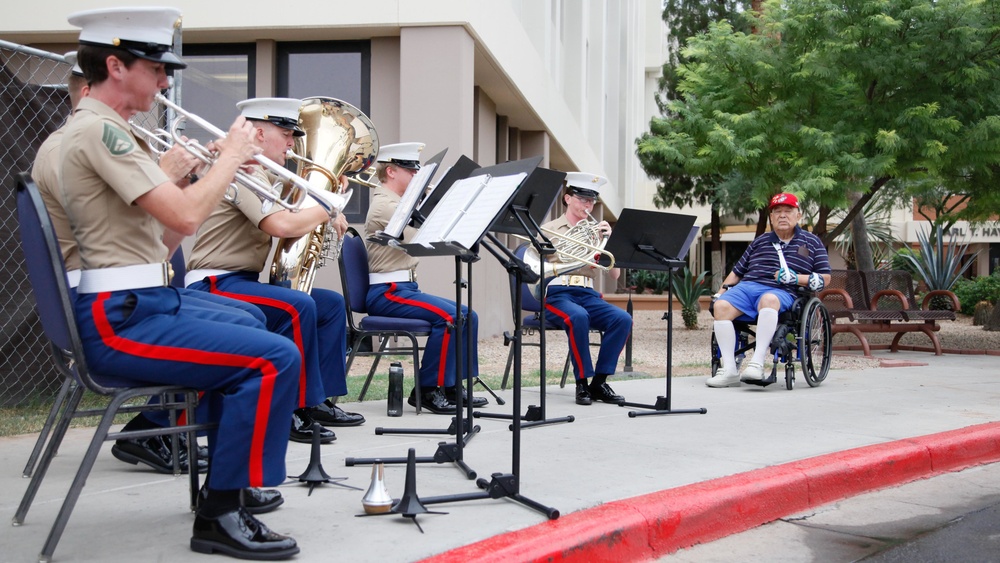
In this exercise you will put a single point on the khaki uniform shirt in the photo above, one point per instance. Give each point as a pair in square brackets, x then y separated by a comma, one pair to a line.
[384, 258]
[231, 239]
[561, 225]
[104, 170]
[45, 173]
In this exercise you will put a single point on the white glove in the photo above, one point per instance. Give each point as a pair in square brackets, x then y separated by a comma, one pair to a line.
[788, 276]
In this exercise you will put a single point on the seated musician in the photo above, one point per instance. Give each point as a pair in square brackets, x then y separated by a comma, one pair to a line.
[763, 284]
[135, 328]
[572, 302]
[229, 254]
[155, 451]
[394, 292]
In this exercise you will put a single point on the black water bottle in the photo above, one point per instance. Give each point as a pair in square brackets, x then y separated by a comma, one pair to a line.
[395, 403]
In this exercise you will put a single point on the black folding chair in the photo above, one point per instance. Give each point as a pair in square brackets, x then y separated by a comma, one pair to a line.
[531, 323]
[47, 275]
[353, 262]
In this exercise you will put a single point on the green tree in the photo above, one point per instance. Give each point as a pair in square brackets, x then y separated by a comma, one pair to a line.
[831, 98]
[676, 187]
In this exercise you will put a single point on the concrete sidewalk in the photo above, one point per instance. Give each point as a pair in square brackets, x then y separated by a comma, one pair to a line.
[626, 488]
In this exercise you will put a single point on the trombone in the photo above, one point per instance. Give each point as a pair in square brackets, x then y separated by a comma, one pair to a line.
[292, 201]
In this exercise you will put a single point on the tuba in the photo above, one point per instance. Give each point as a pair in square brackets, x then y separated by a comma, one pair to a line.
[339, 140]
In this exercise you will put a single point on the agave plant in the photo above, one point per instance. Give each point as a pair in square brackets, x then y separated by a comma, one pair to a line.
[939, 265]
[687, 289]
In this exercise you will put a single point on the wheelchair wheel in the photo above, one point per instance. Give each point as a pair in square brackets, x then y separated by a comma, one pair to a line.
[790, 376]
[716, 356]
[815, 342]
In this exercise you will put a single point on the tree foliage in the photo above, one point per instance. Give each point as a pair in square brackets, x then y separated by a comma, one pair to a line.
[831, 97]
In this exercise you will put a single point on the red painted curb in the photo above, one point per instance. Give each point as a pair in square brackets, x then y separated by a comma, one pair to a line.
[653, 525]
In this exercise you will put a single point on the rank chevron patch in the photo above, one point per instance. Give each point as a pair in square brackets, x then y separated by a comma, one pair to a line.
[117, 141]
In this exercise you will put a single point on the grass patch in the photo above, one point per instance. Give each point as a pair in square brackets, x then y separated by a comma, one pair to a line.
[29, 418]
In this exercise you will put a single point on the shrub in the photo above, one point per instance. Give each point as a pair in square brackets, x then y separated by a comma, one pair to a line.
[687, 289]
[981, 288]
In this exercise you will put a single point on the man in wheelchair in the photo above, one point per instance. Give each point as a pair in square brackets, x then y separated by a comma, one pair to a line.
[763, 284]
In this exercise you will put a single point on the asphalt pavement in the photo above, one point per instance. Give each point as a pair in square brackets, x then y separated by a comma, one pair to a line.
[625, 489]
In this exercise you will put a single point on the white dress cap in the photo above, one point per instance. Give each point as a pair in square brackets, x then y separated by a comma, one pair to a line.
[146, 32]
[406, 155]
[283, 112]
[585, 184]
[70, 59]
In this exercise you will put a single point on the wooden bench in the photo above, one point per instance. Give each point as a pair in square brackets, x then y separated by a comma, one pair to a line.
[883, 301]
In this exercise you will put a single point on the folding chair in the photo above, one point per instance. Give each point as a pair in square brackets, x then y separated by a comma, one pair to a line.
[47, 275]
[533, 322]
[353, 262]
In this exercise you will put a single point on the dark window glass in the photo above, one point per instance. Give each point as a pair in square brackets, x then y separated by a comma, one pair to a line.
[217, 77]
[335, 70]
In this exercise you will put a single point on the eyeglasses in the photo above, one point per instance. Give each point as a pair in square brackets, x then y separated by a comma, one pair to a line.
[585, 199]
[783, 211]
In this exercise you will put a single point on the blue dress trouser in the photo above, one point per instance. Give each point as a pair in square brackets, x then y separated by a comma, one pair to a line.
[146, 336]
[316, 322]
[579, 309]
[437, 366]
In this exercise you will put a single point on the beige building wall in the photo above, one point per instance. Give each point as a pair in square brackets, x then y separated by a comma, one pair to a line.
[495, 80]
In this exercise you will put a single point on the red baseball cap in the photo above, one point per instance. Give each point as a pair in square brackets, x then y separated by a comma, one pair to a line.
[784, 199]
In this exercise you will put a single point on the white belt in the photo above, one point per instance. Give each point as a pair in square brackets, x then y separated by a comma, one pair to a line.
[198, 275]
[73, 277]
[126, 277]
[389, 277]
[576, 281]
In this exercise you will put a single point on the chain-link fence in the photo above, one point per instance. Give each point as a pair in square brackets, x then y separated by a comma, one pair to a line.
[33, 103]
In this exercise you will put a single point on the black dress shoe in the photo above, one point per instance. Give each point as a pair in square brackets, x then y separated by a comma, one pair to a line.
[261, 501]
[329, 414]
[435, 401]
[477, 402]
[583, 394]
[239, 534]
[302, 431]
[156, 453]
[605, 393]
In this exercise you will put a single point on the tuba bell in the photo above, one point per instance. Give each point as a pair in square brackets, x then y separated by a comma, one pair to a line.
[339, 140]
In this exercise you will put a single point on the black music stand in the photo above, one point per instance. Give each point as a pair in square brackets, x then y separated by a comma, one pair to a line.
[654, 240]
[461, 169]
[530, 205]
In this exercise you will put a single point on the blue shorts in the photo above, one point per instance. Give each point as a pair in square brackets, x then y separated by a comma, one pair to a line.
[745, 296]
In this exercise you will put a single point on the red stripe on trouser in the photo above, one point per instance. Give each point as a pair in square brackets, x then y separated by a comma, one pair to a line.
[442, 362]
[175, 354]
[572, 341]
[296, 326]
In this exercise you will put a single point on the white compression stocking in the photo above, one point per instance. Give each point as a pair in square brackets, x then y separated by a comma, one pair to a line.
[767, 323]
[725, 335]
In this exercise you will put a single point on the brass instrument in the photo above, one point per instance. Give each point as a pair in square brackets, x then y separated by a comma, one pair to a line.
[339, 140]
[576, 248]
[291, 199]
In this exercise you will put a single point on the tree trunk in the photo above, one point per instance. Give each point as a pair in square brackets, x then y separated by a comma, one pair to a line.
[718, 263]
[863, 257]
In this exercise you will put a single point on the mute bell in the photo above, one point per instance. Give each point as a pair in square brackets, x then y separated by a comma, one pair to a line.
[377, 499]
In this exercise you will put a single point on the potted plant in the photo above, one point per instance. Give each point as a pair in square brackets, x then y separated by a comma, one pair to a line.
[688, 289]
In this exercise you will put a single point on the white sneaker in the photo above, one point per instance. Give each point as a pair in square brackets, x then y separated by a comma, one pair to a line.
[753, 372]
[723, 379]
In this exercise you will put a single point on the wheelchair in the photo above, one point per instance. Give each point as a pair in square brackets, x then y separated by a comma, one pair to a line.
[803, 336]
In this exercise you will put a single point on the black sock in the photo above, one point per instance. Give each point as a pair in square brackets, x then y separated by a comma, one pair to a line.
[582, 381]
[218, 502]
[598, 380]
[140, 422]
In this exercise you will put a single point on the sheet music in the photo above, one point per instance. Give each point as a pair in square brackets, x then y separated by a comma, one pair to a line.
[467, 209]
[409, 201]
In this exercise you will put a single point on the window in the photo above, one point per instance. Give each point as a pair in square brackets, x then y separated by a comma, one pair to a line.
[339, 70]
[216, 78]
